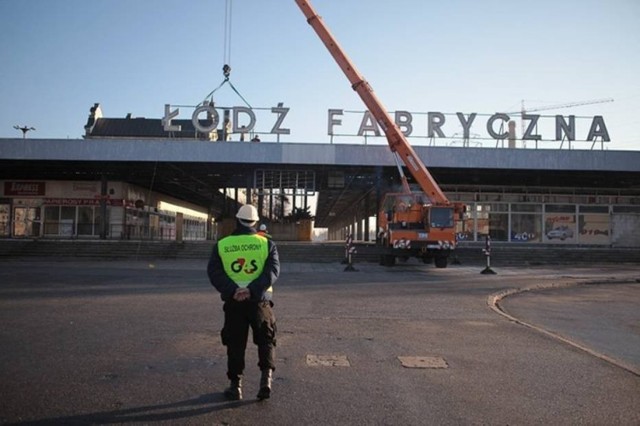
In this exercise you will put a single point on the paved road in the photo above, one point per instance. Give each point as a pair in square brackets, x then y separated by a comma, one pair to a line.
[602, 318]
[137, 342]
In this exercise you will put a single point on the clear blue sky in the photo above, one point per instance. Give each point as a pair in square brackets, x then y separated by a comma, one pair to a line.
[59, 57]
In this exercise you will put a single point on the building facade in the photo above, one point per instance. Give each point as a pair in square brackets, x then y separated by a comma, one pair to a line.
[77, 209]
[131, 178]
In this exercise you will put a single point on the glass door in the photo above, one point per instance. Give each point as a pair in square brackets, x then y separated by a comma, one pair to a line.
[26, 222]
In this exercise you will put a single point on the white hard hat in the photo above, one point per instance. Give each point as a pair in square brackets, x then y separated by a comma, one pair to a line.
[248, 213]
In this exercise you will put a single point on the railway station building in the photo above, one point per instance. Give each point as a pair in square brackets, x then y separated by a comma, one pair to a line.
[130, 178]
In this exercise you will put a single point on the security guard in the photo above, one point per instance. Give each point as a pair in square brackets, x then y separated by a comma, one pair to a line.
[243, 268]
[262, 230]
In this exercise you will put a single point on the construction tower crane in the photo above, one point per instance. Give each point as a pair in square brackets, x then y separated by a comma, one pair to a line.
[565, 105]
[524, 111]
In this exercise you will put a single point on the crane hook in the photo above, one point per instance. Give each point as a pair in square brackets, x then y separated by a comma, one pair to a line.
[226, 70]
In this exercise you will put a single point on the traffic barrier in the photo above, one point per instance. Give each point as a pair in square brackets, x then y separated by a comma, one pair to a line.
[349, 251]
[487, 252]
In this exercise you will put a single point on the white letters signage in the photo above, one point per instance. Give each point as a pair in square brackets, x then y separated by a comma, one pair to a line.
[237, 111]
[495, 125]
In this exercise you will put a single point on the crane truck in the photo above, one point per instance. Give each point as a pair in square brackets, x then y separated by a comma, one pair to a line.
[419, 224]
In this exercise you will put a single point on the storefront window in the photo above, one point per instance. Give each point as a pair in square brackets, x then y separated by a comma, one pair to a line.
[85, 220]
[560, 208]
[594, 209]
[5, 229]
[167, 227]
[137, 223]
[194, 229]
[464, 227]
[71, 221]
[626, 209]
[498, 226]
[67, 221]
[526, 228]
[51, 220]
[522, 208]
[493, 220]
[594, 228]
[97, 227]
[560, 223]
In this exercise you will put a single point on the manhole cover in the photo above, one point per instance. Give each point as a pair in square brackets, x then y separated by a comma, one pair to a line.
[328, 360]
[423, 362]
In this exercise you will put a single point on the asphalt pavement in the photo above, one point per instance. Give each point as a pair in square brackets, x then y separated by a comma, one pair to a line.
[138, 343]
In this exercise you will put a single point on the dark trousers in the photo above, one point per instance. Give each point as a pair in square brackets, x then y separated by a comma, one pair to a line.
[238, 317]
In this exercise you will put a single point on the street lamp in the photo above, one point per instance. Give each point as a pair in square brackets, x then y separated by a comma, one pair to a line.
[24, 129]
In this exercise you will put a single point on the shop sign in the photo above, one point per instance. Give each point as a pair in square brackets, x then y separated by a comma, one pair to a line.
[24, 189]
[80, 202]
[84, 187]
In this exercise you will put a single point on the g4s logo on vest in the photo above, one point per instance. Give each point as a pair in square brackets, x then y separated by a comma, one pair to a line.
[241, 263]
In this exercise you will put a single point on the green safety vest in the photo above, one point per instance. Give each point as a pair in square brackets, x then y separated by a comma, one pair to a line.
[243, 257]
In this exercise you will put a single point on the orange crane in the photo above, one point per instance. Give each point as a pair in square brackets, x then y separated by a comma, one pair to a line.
[411, 224]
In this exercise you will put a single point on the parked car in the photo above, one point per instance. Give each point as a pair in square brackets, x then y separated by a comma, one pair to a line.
[561, 232]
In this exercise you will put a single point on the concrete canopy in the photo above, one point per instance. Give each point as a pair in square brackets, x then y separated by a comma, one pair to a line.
[347, 177]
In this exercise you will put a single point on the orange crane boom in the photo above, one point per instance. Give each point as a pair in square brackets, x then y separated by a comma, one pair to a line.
[396, 139]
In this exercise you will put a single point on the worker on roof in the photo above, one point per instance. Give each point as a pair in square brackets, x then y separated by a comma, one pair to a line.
[243, 268]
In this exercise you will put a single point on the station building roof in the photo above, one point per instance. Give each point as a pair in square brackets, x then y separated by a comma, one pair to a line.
[343, 175]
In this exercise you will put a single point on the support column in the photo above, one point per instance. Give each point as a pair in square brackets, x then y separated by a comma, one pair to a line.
[261, 203]
[179, 227]
[227, 211]
[270, 203]
[367, 231]
[104, 228]
[293, 200]
[249, 198]
[378, 197]
[282, 197]
[209, 228]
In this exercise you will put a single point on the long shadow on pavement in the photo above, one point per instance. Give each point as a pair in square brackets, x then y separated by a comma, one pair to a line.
[203, 404]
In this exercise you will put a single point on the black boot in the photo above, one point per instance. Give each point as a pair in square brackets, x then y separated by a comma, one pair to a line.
[265, 384]
[234, 391]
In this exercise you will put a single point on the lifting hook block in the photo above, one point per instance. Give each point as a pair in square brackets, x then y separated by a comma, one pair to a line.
[226, 70]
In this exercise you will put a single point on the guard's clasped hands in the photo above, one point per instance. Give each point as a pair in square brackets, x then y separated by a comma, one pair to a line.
[241, 294]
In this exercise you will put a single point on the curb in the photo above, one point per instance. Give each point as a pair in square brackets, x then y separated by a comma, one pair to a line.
[494, 303]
